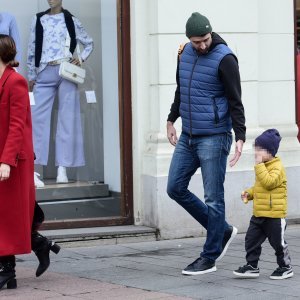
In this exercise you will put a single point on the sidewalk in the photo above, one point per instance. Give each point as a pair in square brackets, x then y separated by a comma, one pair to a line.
[152, 270]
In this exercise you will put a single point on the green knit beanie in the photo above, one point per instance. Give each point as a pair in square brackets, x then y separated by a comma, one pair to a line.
[197, 25]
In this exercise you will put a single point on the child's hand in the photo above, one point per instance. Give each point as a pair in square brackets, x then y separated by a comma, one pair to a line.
[244, 196]
[258, 158]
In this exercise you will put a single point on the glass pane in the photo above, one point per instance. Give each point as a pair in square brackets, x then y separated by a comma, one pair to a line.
[83, 127]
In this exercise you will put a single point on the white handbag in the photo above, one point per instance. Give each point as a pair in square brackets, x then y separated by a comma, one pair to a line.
[70, 71]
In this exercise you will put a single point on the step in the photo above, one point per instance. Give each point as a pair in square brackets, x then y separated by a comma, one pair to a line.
[72, 190]
[102, 235]
[82, 208]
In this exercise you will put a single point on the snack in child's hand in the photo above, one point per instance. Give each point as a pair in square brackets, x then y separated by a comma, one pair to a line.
[244, 196]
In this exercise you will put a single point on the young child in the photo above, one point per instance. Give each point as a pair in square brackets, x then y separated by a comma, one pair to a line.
[269, 195]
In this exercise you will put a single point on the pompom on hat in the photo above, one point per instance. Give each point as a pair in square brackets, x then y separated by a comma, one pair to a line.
[197, 25]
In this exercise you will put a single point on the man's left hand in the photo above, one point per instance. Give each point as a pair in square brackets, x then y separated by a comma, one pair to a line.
[238, 152]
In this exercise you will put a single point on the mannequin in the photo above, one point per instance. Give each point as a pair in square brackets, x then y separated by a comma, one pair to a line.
[8, 26]
[46, 50]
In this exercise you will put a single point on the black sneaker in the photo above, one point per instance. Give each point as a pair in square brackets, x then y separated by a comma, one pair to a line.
[282, 273]
[246, 271]
[229, 235]
[200, 266]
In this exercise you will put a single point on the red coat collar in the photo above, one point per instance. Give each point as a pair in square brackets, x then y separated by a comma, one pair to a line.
[7, 72]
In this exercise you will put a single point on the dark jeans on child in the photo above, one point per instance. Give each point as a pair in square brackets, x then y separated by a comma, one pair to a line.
[261, 228]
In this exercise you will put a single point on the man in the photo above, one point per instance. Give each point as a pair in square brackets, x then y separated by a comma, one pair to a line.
[208, 100]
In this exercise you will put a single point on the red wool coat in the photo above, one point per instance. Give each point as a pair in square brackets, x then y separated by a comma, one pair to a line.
[17, 194]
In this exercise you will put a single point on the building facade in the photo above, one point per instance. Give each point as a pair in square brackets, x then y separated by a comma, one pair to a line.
[132, 73]
[265, 47]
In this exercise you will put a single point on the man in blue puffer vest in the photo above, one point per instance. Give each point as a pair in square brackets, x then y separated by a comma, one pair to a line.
[208, 100]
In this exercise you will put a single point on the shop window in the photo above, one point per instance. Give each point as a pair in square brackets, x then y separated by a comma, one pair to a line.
[83, 132]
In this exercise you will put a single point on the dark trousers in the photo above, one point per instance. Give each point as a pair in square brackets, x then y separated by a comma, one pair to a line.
[260, 229]
[38, 217]
[8, 259]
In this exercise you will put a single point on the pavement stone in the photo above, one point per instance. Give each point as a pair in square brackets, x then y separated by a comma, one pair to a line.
[152, 270]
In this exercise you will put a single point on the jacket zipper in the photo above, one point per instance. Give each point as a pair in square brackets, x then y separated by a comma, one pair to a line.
[217, 119]
[190, 111]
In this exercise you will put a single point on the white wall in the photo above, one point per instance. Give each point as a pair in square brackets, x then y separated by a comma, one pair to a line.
[264, 47]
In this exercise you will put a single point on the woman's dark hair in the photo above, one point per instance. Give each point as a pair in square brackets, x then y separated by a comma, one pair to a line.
[8, 50]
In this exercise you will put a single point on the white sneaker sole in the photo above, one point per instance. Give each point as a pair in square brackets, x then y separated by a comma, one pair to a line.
[233, 235]
[246, 275]
[282, 277]
[213, 269]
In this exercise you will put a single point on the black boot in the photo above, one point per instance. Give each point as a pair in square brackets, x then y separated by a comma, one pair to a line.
[7, 272]
[41, 247]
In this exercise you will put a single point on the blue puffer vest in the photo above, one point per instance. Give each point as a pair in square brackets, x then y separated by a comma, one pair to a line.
[203, 105]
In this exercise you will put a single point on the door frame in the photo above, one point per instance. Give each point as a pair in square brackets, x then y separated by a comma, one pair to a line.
[297, 72]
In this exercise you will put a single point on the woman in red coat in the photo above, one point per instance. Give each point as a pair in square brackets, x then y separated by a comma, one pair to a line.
[18, 233]
[17, 194]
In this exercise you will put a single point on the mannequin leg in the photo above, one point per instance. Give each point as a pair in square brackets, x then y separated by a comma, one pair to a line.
[69, 141]
[62, 175]
[44, 93]
[37, 181]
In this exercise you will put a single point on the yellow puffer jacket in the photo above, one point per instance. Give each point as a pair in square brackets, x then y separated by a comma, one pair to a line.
[269, 193]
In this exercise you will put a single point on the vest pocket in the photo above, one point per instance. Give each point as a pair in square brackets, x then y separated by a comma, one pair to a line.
[216, 111]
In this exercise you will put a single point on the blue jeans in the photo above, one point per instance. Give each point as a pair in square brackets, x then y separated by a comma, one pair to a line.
[210, 154]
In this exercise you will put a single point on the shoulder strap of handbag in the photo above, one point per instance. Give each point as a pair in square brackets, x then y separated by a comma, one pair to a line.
[67, 48]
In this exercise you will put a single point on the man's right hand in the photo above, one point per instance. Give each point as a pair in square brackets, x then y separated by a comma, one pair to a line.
[171, 133]
[31, 85]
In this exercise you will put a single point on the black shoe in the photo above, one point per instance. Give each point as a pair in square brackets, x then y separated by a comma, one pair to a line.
[282, 273]
[41, 247]
[229, 235]
[246, 271]
[8, 275]
[200, 266]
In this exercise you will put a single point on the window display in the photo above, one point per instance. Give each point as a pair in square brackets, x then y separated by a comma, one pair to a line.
[46, 51]
[76, 128]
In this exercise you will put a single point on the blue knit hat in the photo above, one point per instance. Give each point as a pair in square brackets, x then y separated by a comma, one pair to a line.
[269, 140]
